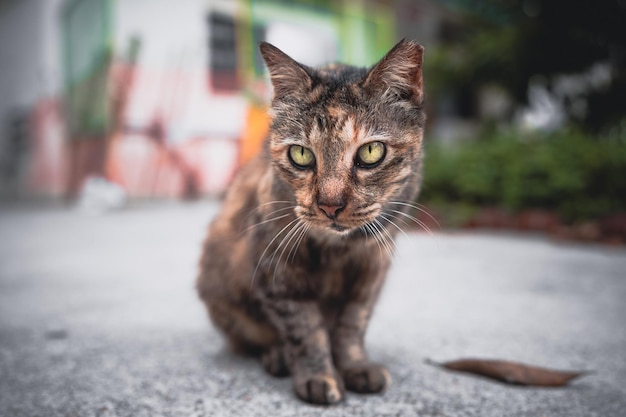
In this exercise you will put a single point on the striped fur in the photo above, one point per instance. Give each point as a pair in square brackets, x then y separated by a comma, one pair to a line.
[281, 275]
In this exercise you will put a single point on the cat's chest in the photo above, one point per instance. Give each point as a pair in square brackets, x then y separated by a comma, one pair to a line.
[323, 267]
[332, 270]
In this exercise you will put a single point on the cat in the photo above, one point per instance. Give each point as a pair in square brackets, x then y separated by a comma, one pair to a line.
[294, 262]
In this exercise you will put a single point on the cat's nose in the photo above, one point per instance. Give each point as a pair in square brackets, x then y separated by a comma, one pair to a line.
[331, 209]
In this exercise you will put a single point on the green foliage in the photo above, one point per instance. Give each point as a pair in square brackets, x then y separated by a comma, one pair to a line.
[508, 43]
[487, 56]
[577, 175]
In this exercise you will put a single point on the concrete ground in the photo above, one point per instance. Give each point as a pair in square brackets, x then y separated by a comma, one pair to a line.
[98, 317]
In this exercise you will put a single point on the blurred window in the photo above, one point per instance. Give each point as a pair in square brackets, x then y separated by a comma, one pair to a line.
[222, 53]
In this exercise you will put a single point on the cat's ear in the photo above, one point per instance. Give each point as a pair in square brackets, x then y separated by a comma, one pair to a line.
[288, 76]
[399, 74]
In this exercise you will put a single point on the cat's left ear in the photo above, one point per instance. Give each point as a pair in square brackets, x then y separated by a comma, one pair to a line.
[287, 75]
[399, 73]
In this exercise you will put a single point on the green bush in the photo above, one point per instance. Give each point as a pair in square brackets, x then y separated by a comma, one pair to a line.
[576, 175]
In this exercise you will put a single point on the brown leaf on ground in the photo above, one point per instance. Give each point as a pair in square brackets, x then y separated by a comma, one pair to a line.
[511, 372]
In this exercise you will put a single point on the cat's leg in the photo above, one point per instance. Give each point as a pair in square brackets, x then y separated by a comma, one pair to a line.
[348, 335]
[307, 350]
[358, 372]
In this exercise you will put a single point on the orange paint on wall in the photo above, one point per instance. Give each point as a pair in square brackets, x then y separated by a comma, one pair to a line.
[254, 133]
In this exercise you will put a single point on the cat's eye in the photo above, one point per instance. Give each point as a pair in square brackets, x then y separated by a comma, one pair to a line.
[301, 157]
[370, 154]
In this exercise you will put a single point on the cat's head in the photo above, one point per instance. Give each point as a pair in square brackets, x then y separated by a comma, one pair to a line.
[346, 141]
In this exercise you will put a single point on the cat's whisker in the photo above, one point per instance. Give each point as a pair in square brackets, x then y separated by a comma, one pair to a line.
[391, 243]
[382, 238]
[285, 244]
[269, 203]
[258, 208]
[398, 218]
[416, 220]
[419, 207]
[291, 207]
[292, 253]
[284, 239]
[268, 247]
[302, 231]
[268, 220]
[382, 249]
[384, 217]
[370, 231]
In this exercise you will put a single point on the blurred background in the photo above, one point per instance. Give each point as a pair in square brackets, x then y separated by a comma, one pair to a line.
[107, 102]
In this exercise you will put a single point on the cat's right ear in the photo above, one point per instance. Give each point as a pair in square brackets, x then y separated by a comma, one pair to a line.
[399, 73]
[288, 76]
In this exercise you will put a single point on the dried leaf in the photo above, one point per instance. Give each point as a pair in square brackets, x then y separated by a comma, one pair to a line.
[512, 372]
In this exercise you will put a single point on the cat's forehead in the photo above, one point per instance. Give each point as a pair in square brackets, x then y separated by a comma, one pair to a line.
[345, 127]
[335, 124]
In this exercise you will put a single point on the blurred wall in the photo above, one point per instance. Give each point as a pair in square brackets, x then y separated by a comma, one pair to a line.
[172, 67]
[29, 52]
[195, 149]
[30, 70]
[171, 97]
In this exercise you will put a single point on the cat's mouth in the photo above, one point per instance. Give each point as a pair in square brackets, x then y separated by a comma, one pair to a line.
[345, 224]
[343, 228]
[338, 227]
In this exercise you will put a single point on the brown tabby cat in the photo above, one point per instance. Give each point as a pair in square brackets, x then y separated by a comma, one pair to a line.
[295, 261]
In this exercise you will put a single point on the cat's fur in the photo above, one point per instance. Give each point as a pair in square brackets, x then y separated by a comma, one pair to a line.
[294, 263]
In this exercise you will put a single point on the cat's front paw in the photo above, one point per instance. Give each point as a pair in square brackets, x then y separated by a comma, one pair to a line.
[274, 362]
[320, 389]
[366, 378]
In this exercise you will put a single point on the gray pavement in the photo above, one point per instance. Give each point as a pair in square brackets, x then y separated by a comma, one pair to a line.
[98, 317]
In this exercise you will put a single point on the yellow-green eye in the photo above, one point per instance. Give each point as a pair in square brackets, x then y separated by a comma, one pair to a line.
[301, 157]
[370, 154]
